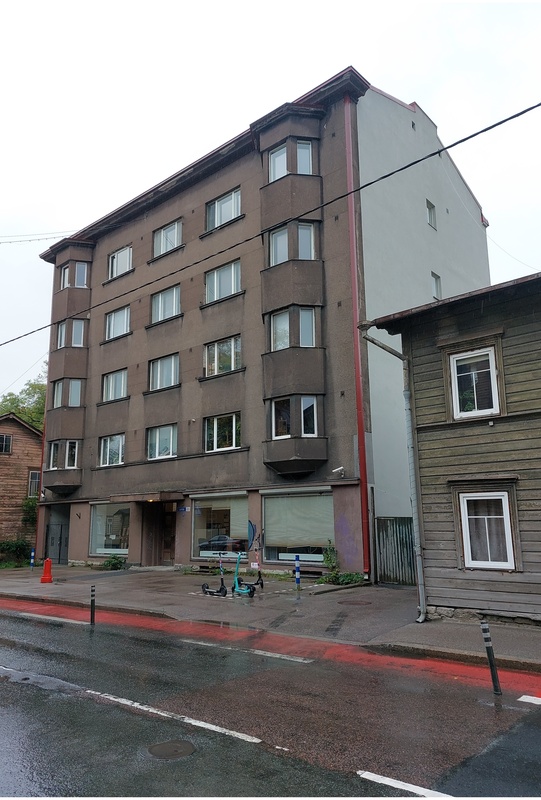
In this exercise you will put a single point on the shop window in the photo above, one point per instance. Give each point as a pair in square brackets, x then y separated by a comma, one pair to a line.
[300, 525]
[220, 527]
[109, 529]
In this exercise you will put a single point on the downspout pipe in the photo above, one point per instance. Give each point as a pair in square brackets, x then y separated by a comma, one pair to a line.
[412, 469]
[354, 272]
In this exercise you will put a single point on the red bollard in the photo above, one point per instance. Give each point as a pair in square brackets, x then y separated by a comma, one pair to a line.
[47, 576]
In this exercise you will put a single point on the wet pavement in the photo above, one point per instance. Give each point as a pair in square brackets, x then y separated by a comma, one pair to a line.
[382, 617]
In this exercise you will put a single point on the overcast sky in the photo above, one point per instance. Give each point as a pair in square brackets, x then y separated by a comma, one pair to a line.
[103, 100]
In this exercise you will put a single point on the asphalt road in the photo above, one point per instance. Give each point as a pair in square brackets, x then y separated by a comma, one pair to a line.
[82, 709]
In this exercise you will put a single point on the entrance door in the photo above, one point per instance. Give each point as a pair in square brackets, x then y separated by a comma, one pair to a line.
[159, 525]
[56, 542]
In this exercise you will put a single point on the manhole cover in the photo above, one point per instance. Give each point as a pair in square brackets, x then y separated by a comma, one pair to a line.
[354, 602]
[175, 749]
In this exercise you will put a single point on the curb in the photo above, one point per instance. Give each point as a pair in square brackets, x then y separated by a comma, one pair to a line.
[462, 656]
[79, 604]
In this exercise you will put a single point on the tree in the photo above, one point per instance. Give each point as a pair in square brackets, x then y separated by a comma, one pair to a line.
[29, 404]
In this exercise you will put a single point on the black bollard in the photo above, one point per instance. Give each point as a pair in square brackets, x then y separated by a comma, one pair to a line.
[92, 605]
[490, 655]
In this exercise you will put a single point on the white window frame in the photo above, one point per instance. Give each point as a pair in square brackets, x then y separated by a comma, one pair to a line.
[54, 452]
[278, 342]
[75, 396]
[304, 146]
[78, 333]
[58, 387]
[309, 253]
[160, 369]
[431, 214]
[6, 443]
[231, 346]
[167, 238]
[436, 285]
[278, 163]
[165, 304]
[61, 335]
[73, 461]
[120, 262]
[106, 442]
[279, 246]
[81, 274]
[474, 354]
[121, 315]
[307, 400]
[307, 311]
[211, 432]
[469, 562]
[159, 436]
[115, 385]
[229, 274]
[224, 209]
[276, 435]
[65, 277]
[34, 481]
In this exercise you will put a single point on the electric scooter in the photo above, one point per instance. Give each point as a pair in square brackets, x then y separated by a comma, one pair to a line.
[222, 590]
[238, 586]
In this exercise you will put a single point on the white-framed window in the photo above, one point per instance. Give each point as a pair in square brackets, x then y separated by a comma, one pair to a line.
[165, 304]
[33, 482]
[54, 452]
[474, 383]
[57, 393]
[72, 454]
[65, 276]
[112, 450]
[279, 247]
[293, 416]
[279, 244]
[222, 432]
[222, 356]
[431, 214]
[486, 530]
[6, 442]
[281, 418]
[81, 274]
[220, 526]
[298, 525]
[222, 282]
[75, 392]
[162, 442]
[280, 330]
[307, 327]
[117, 323]
[304, 157]
[109, 528]
[306, 241]
[436, 285]
[61, 335]
[120, 261]
[308, 416]
[115, 385]
[164, 372]
[223, 209]
[278, 163]
[167, 238]
[78, 333]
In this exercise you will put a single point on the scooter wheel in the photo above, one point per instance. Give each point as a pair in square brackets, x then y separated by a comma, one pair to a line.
[261, 584]
[251, 592]
[205, 588]
[223, 591]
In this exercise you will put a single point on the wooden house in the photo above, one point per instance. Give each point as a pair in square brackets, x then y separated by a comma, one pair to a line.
[474, 372]
[20, 470]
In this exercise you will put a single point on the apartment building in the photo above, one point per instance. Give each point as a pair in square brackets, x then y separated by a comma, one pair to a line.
[206, 368]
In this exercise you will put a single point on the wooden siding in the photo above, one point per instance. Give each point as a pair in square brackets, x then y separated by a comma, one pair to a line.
[14, 468]
[505, 445]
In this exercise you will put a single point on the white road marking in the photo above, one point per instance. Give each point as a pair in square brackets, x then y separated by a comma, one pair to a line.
[54, 619]
[298, 659]
[526, 698]
[170, 715]
[408, 787]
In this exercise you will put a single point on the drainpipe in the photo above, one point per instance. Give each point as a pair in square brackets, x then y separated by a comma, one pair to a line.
[354, 270]
[412, 470]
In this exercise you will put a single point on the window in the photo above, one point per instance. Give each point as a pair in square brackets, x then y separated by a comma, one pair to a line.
[307, 335]
[81, 274]
[281, 418]
[278, 163]
[109, 528]
[165, 304]
[61, 335]
[54, 451]
[431, 214]
[119, 262]
[474, 387]
[75, 392]
[65, 277]
[308, 416]
[222, 433]
[164, 372]
[33, 482]
[78, 333]
[167, 238]
[306, 241]
[222, 282]
[299, 525]
[280, 244]
[57, 393]
[304, 158]
[6, 440]
[112, 450]
[436, 286]
[220, 525]
[280, 330]
[117, 323]
[279, 250]
[294, 416]
[72, 454]
[486, 530]
[115, 385]
[223, 210]
[222, 356]
[162, 442]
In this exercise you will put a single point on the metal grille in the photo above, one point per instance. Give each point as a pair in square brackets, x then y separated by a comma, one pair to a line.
[394, 550]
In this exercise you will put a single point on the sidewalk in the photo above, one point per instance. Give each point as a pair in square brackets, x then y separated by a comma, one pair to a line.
[381, 618]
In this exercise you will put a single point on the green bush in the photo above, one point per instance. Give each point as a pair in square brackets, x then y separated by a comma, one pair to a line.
[114, 562]
[30, 512]
[17, 550]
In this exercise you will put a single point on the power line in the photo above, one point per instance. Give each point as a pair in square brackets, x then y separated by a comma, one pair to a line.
[34, 237]
[284, 222]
